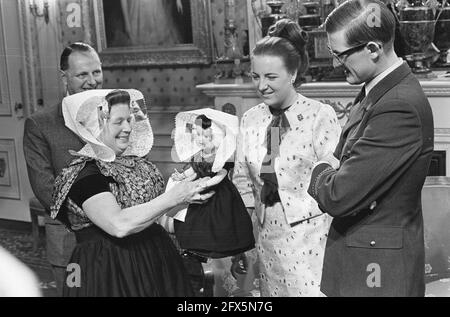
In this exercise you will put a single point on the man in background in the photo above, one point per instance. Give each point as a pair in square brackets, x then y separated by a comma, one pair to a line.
[375, 245]
[46, 145]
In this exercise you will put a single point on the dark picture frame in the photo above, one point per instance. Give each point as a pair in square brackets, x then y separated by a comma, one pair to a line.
[9, 174]
[193, 47]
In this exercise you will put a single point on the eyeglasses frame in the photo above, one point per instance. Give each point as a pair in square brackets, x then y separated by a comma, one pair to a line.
[347, 52]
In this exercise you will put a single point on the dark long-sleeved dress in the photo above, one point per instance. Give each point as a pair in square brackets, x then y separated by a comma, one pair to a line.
[142, 264]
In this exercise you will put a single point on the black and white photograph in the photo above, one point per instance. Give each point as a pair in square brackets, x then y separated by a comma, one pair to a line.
[224, 155]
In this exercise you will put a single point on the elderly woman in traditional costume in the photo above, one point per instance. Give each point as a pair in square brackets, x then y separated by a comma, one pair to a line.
[114, 196]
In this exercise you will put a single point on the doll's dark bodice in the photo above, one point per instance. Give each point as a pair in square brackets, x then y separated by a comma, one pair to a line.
[202, 166]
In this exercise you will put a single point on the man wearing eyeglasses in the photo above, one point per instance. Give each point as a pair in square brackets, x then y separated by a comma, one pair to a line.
[375, 244]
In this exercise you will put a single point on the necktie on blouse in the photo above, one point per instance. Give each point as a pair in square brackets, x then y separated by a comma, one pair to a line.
[274, 134]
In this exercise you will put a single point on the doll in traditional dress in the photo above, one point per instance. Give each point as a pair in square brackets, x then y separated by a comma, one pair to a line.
[221, 227]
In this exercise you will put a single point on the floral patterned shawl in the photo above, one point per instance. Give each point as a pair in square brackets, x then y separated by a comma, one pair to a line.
[136, 181]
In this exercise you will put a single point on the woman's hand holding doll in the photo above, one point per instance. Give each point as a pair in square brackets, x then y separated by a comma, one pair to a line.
[190, 190]
[180, 176]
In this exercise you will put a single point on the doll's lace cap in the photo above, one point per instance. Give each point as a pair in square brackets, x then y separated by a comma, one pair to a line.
[87, 113]
[225, 128]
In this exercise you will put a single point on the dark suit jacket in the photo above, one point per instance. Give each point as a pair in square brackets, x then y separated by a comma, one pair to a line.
[46, 146]
[375, 245]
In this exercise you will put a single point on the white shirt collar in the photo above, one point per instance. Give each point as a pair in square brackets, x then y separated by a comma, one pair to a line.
[382, 75]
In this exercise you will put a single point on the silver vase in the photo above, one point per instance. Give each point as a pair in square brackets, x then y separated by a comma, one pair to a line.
[417, 27]
[275, 15]
[442, 33]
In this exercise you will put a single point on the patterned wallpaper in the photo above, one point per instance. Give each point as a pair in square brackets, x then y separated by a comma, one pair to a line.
[166, 86]
[163, 87]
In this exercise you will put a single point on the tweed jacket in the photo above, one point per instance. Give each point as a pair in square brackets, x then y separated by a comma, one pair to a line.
[46, 145]
[375, 246]
[313, 134]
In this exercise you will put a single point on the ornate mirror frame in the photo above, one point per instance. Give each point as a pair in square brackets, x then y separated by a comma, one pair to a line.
[198, 53]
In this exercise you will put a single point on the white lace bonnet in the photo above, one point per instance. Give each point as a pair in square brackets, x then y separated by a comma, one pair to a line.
[84, 111]
[225, 128]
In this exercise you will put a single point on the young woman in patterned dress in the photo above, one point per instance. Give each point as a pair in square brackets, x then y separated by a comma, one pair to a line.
[280, 141]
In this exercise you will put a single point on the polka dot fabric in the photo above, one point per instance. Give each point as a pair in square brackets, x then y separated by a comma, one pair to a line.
[313, 134]
[290, 258]
[291, 235]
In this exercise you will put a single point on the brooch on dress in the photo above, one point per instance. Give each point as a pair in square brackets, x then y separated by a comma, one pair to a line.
[300, 117]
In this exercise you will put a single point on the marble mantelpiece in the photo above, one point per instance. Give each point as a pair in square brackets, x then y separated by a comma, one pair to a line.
[238, 98]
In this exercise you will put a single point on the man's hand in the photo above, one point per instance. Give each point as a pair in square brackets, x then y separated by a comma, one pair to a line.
[239, 265]
[329, 159]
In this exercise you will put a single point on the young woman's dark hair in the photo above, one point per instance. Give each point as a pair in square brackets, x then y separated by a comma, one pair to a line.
[287, 40]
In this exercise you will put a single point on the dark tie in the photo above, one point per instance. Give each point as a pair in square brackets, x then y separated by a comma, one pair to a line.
[356, 108]
[278, 126]
[361, 96]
